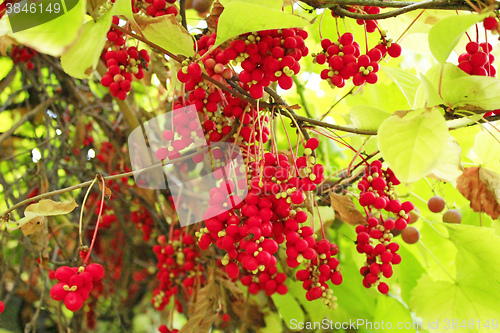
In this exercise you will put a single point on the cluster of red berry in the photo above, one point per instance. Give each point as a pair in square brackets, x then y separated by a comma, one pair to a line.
[22, 54]
[477, 60]
[375, 238]
[321, 269]
[75, 284]
[265, 56]
[177, 267]
[345, 61]
[251, 230]
[157, 8]
[122, 64]
[143, 221]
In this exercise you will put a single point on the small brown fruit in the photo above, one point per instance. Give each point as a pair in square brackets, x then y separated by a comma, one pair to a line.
[410, 235]
[452, 216]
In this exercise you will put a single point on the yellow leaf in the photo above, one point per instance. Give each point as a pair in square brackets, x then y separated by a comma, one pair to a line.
[46, 207]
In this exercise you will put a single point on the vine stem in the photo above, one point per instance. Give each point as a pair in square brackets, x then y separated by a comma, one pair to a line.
[87, 183]
[103, 190]
[405, 5]
[80, 222]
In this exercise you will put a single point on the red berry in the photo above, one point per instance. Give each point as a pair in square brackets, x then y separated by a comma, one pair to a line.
[394, 50]
[383, 287]
[2, 306]
[73, 301]
[347, 38]
[96, 271]
[472, 47]
[64, 273]
[490, 23]
[232, 270]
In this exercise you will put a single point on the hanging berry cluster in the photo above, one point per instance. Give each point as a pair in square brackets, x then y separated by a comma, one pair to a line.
[375, 238]
[178, 267]
[122, 63]
[323, 268]
[75, 284]
[270, 214]
[265, 56]
[345, 61]
[477, 60]
[22, 54]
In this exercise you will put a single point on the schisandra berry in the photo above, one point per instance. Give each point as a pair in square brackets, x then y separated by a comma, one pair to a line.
[75, 284]
[490, 23]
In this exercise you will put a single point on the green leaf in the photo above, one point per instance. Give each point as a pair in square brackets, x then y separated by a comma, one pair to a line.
[467, 299]
[432, 97]
[478, 250]
[486, 149]
[407, 82]
[55, 36]
[166, 32]
[474, 92]
[391, 312]
[409, 271]
[427, 92]
[367, 117]
[451, 166]
[474, 293]
[289, 308]
[445, 34]
[241, 17]
[413, 145]
[82, 58]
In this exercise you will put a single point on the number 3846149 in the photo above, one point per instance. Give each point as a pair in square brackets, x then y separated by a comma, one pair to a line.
[33, 8]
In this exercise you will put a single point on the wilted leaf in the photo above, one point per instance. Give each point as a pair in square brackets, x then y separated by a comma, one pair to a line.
[107, 191]
[33, 225]
[46, 207]
[217, 9]
[480, 187]
[5, 43]
[204, 310]
[346, 208]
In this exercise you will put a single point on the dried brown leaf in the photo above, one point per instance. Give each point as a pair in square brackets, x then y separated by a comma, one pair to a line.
[482, 188]
[40, 240]
[223, 281]
[204, 310]
[5, 43]
[211, 20]
[93, 5]
[347, 210]
[107, 191]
